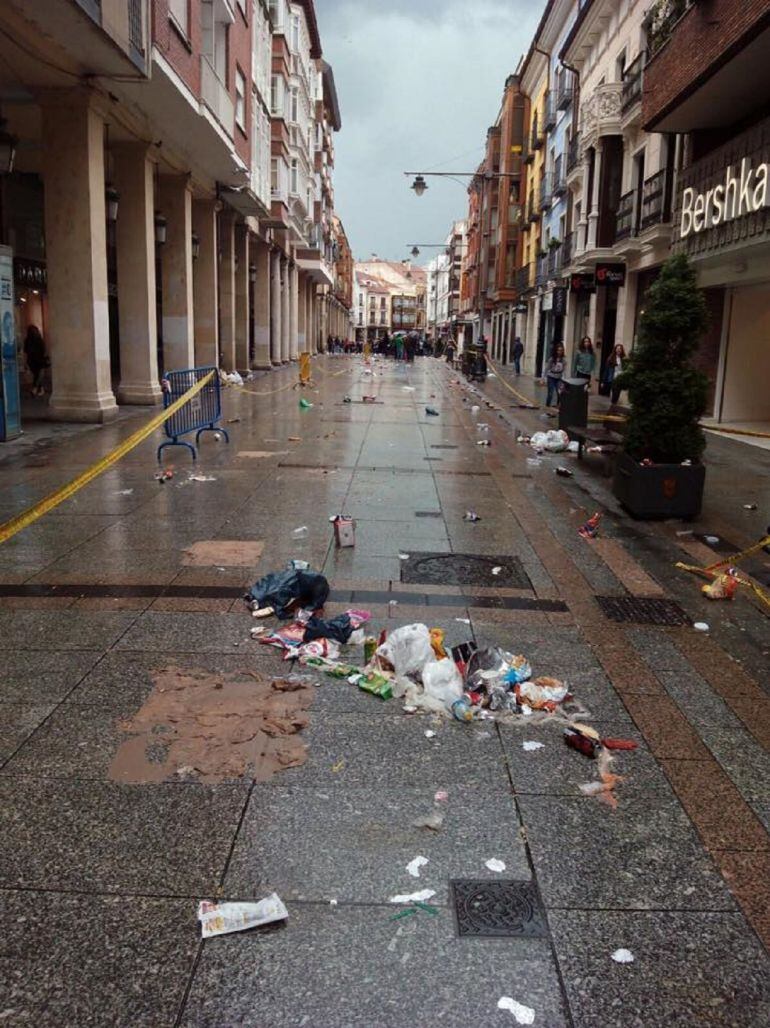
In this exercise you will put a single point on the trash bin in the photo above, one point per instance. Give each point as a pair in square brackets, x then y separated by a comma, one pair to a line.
[573, 405]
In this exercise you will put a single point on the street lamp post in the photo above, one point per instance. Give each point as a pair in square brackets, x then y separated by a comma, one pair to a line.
[420, 185]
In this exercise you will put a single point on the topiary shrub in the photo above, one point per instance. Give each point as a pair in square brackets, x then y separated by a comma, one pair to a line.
[667, 395]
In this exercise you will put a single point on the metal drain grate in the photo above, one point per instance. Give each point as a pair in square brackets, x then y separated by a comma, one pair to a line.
[497, 910]
[443, 446]
[464, 569]
[642, 610]
[427, 514]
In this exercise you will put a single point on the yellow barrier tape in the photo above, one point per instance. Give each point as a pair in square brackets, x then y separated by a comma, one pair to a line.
[714, 570]
[501, 380]
[29, 516]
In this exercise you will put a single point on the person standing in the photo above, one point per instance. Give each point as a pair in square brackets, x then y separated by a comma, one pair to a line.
[450, 351]
[584, 361]
[554, 373]
[613, 369]
[517, 354]
[37, 361]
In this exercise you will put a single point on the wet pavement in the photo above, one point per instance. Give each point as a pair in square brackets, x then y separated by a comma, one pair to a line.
[99, 881]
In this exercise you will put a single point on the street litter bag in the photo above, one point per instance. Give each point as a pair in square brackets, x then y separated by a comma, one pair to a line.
[286, 590]
[442, 681]
[554, 441]
[222, 918]
[486, 669]
[407, 649]
[340, 629]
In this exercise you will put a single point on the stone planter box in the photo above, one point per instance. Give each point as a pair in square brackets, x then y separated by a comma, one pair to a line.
[659, 490]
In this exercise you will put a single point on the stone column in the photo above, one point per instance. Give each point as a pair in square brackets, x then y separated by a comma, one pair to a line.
[76, 252]
[260, 258]
[227, 290]
[285, 310]
[593, 217]
[242, 259]
[276, 307]
[301, 312]
[135, 238]
[174, 198]
[294, 313]
[206, 320]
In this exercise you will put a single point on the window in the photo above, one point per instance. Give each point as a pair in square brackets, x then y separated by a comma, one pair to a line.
[295, 32]
[179, 12]
[294, 177]
[294, 116]
[240, 99]
[274, 175]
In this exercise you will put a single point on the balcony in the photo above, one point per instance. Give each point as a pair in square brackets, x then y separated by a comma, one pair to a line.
[554, 261]
[541, 270]
[656, 209]
[527, 153]
[216, 98]
[546, 191]
[549, 113]
[633, 78]
[536, 138]
[565, 91]
[523, 277]
[566, 249]
[559, 179]
[662, 19]
[533, 214]
[601, 112]
[573, 155]
[625, 225]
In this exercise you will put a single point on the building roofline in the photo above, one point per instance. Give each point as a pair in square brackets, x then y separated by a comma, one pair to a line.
[546, 14]
[330, 95]
[578, 24]
[308, 6]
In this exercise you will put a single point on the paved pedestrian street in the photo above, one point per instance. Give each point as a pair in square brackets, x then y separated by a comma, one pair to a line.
[101, 878]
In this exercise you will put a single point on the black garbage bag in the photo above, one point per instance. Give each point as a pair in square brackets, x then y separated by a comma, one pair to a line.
[285, 591]
[340, 629]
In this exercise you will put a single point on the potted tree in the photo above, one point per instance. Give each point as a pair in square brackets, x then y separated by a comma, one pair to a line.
[658, 473]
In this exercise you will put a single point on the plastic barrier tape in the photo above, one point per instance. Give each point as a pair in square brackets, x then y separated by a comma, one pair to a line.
[501, 380]
[714, 570]
[29, 516]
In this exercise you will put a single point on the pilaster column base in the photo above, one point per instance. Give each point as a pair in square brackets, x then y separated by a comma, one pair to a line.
[143, 394]
[91, 407]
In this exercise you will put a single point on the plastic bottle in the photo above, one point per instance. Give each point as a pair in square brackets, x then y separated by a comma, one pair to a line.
[461, 709]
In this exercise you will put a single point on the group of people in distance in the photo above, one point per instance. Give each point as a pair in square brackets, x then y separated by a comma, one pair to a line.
[583, 366]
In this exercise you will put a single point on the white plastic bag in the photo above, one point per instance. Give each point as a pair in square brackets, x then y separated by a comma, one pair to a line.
[407, 649]
[442, 681]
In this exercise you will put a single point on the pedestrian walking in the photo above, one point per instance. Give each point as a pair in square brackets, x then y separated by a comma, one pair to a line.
[399, 347]
[517, 354]
[450, 351]
[613, 369]
[584, 361]
[554, 373]
[37, 361]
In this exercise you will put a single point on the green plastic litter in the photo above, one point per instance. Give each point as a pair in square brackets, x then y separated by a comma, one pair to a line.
[403, 913]
[304, 404]
[427, 908]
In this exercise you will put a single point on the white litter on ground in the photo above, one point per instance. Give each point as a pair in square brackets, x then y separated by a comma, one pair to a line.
[497, 569]
[413, 867]
[403, 556]
[223, 918]
[463, 621]
[414, 897]
[623, 956]
[430, 734]
[521, 1014]
[532, 745]
[124, 492]
[701, 626]
[201, 478]
[495, 865]
[712, 540]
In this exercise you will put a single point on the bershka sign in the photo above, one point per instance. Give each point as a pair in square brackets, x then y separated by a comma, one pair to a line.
[610, 274]
[742, 192]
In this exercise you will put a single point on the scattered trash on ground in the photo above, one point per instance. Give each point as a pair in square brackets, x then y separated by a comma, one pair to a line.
[712, 540]
[749, 506]
[590, 529]
[554, 441]
[531, 745]
[304, 404]
[233, 421]
[230, 377]
[701, 626]
[724, 586]
[471, 515]
[521, 1014]
[413, 867]
[432, 411]
[336, 768]
[496, 569]
[287, 591]
[164, 476]
[403, 556]
[564, 472]
[223, 918]
[685, 531]
[623, 956]
[344, 531]
[125, 492]
[534, 462]
[495, 865]
[483, 442]
[201, 478]
[414, 897]
[429, 733]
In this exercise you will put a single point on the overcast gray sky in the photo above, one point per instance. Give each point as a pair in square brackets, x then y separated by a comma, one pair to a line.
[419, 82]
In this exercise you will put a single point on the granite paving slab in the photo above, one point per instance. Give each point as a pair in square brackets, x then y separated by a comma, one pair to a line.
[644, 855]
[61, 629]
[704, 969]
[105, 837]
[40, 676]
[338, 967]
[354, 844]
[190, 633]
[17, 722]
[104, 961]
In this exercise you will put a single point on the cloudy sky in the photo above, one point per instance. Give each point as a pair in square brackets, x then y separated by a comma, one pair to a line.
[419, 82]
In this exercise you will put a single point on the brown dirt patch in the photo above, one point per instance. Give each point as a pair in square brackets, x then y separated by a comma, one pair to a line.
[232, 553]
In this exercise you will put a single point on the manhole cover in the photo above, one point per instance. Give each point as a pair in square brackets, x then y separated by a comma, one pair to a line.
[642, 610]
[464, 569]
[496, 910]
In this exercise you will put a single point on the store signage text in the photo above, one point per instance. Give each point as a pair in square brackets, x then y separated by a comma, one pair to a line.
[611, 274]
[739, 194]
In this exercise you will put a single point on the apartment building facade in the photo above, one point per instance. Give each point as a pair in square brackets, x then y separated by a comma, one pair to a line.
[142, 213]
[707, 82]
[392, 297]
